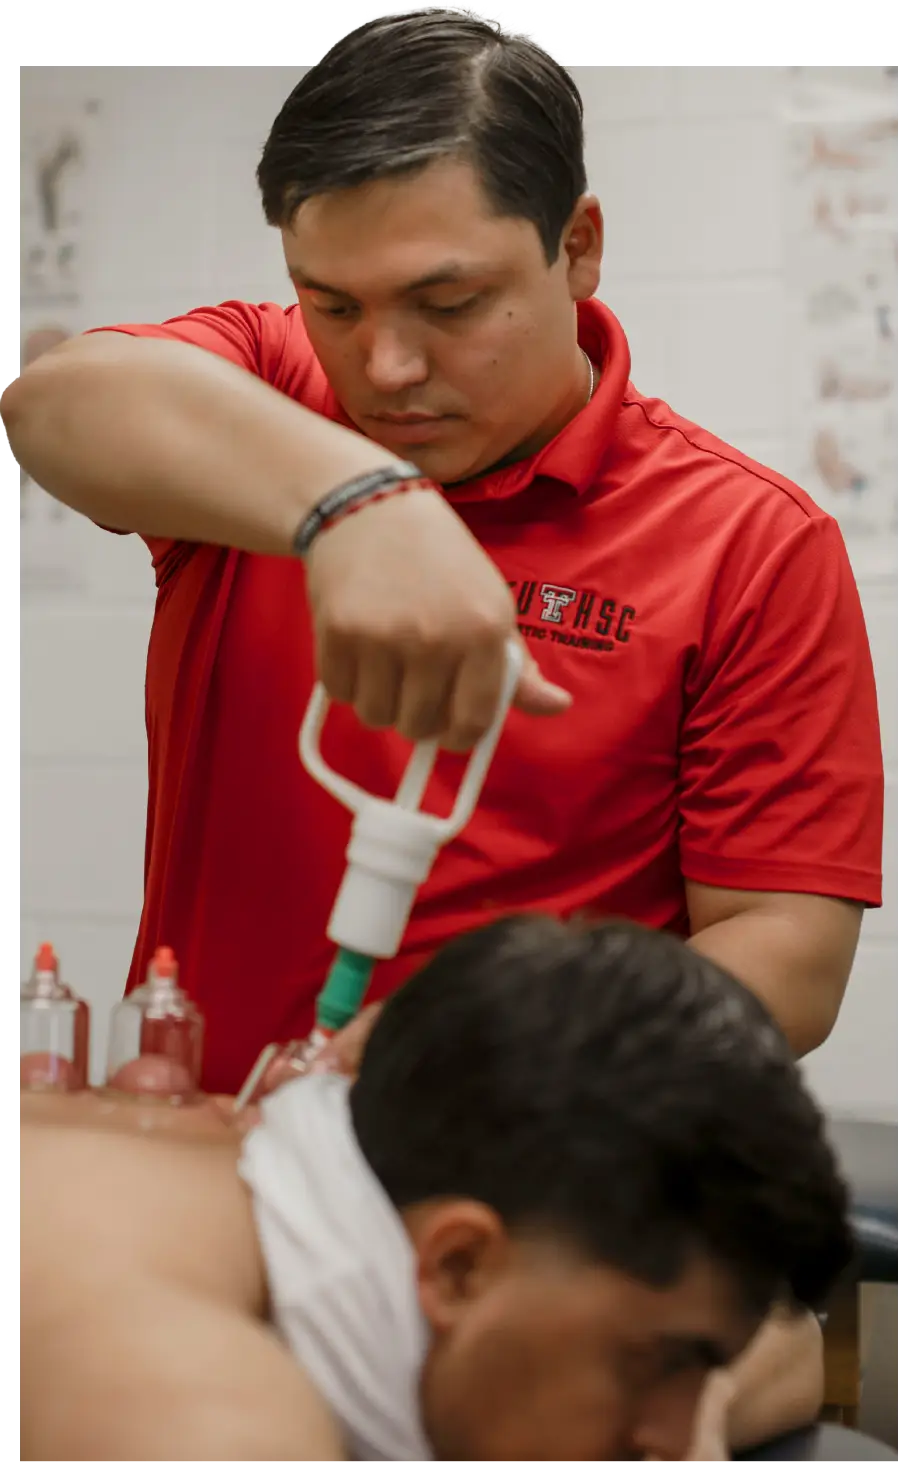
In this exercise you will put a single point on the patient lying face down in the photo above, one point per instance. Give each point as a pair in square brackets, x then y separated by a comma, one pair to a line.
[575, 1174]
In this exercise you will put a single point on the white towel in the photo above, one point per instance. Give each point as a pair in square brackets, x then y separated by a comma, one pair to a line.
[340, 1267]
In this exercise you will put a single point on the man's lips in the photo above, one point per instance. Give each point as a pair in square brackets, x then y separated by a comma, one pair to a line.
[407, 418]
[412, 426]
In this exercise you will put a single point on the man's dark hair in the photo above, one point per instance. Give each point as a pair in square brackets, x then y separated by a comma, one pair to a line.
[405, 90]
[613, 1087]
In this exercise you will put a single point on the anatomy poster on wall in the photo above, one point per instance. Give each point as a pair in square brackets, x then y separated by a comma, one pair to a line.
[841, 202]
[53, 216]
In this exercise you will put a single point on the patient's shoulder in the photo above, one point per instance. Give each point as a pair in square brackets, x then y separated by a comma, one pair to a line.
[102, 1203]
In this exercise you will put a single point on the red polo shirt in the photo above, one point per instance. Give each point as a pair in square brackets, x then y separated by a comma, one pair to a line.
[699, 607]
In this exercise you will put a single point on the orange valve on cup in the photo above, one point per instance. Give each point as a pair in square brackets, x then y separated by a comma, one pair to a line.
[54, 1030]
[156, 1039]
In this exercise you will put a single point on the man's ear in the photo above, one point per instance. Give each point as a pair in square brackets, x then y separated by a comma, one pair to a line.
[461, 1247]
[582, 242]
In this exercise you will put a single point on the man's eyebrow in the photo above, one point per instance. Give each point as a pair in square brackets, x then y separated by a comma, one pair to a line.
[446, 274]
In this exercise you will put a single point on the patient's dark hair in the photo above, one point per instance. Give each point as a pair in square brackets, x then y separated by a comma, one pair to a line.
[610, 1086]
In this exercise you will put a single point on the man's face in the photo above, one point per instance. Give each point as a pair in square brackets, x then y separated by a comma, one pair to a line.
[554, 1358]
[446, 336]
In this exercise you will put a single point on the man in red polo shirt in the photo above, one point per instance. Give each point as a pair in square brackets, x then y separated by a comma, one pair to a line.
[695, 742]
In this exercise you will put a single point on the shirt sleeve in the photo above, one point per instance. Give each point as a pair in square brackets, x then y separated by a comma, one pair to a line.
[250, 336]
[781, 784]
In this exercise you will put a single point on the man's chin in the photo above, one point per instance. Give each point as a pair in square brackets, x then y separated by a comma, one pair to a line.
[446, 466]
[455, 469]
[446, 470]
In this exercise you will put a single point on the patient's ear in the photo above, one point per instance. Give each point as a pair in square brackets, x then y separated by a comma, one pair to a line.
[461, 1247]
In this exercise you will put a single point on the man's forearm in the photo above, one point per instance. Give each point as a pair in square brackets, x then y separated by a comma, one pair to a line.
[165, 439]
[800, 984]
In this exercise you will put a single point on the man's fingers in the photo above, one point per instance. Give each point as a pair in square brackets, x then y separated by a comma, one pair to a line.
[537, 696]
[336, 663]
[424, 697]
[407, 575]
[412, 621]
[476, 695]
[380, 679]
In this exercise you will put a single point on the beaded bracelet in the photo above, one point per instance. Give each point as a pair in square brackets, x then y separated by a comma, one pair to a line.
[350, 496]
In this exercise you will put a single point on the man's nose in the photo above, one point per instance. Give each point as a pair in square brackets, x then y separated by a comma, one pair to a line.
[394, 362]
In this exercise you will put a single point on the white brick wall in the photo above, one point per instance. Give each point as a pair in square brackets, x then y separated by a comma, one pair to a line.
[687, 165]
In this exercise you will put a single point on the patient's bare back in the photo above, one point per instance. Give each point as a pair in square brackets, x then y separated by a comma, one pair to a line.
[143, 1297]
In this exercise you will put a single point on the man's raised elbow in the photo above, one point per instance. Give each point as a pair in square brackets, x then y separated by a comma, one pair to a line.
[63, 364]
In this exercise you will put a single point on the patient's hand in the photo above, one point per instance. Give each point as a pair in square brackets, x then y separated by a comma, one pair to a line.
[776, 1386]
[709, 1439]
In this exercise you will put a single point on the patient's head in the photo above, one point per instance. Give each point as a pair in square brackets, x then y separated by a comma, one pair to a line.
[609, 1169]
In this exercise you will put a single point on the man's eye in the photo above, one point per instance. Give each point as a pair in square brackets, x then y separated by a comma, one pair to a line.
[335, 312]
[458, 309]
